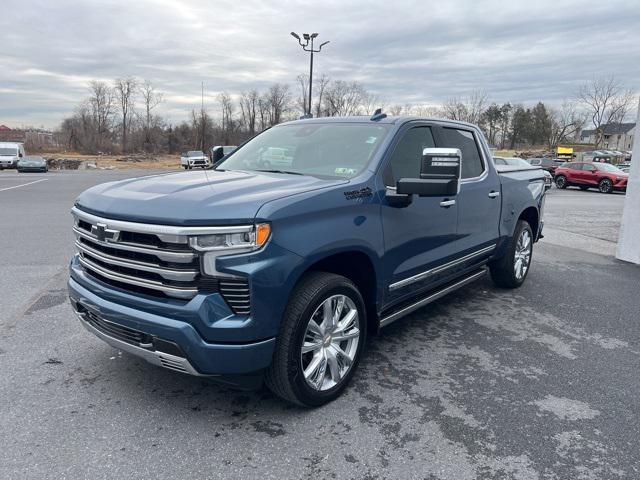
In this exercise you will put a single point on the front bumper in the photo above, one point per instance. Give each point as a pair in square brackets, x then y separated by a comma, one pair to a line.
[199, 356]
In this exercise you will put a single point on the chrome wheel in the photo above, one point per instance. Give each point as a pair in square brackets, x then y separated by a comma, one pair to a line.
[522, 255]
[330, 342]
[561, 182]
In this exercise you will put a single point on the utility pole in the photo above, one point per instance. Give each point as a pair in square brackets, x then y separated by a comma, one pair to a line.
[307, 46]
[202, 114]
[629, 238]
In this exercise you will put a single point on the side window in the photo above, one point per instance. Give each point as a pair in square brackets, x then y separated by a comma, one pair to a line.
[576, 166]
[407, 156]
[472, 165]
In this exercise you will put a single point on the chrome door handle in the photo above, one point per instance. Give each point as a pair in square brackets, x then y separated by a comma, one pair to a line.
[447, 203]
[493, 194]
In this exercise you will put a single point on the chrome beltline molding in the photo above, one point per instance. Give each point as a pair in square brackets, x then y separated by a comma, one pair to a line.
[155, 228]
[441, 268]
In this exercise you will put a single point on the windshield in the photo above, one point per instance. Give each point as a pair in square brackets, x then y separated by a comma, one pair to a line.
[9, 151]
[606, 167]
[32, 159]
[194, 154]
[321, 149]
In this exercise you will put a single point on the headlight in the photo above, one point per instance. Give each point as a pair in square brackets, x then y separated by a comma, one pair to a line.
[230, 243]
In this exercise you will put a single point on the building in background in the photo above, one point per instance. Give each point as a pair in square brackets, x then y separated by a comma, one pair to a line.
[33, 138]
[615, 136]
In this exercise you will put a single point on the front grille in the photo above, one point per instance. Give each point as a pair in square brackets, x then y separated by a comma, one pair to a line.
[237, 294]
[153, 260]
[152, 263]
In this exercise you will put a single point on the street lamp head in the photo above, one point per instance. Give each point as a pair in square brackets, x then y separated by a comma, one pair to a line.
[305, 36]
[295, 35]
[314, 35]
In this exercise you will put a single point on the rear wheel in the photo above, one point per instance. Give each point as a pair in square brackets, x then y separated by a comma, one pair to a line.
[561, 181]
[605, 186]
[320, 341]
[511, 270]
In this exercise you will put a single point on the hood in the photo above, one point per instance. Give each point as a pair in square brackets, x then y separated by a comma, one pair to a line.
[208, 197]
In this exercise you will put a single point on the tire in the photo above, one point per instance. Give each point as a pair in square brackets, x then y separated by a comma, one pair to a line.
[583, 187]
[605, 186]
[504, 271]
[286, 376]
[561, 181]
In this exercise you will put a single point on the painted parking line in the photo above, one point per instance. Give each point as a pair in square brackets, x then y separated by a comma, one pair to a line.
[24, 184]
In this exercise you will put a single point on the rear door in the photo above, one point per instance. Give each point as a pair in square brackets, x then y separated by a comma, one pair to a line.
[479, 202]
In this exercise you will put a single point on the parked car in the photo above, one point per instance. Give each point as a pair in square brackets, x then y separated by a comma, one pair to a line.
[240, 275]
[521, 163]
[194, 158]
[32, 164]
[548, 164]
[10, 153]
[220, 151]
[603, 176]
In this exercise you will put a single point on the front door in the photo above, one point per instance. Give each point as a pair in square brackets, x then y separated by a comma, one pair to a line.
[421, 235]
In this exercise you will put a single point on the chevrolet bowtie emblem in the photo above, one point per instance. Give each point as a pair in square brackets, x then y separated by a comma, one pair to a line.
[104, 234]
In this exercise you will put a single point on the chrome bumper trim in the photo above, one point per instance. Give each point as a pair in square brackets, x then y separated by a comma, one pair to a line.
[165, 360]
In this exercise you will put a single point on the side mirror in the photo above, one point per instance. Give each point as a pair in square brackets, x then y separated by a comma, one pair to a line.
[19, 155]
[440, 172]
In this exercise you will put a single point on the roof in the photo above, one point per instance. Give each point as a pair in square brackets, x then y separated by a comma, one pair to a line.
[4, 128]
[386, 120]
[610, 129]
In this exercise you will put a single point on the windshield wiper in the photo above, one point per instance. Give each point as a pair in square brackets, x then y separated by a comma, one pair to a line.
[280, 171]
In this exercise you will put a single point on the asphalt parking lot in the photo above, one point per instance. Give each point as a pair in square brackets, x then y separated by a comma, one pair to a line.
[541, 382]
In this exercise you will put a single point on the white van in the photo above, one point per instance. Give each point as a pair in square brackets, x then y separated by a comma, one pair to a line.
[10, 153]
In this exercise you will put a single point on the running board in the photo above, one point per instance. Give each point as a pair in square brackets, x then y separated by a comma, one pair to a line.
[432, 297]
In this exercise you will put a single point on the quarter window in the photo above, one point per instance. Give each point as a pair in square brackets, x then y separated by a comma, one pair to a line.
[472, 164]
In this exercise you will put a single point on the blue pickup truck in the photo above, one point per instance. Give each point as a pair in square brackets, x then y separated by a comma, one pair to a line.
[247, 273]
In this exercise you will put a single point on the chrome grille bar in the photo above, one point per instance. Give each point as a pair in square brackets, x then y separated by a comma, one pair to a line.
[173, 291]
[168, 273]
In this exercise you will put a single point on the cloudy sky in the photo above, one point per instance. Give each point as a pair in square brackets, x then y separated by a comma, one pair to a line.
[419, 51]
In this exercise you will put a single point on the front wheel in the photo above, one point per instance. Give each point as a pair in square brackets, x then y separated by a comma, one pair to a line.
[320, 341]
[561, 181]
[511, 270]
[605, 186]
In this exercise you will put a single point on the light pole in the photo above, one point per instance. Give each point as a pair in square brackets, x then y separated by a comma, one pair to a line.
[307, 46]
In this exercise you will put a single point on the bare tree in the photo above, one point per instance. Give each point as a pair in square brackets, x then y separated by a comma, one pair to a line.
[466, 109]
[248, 110]
[344, 98]
[278, 100]
[322, 83]
[567, 122]
[125, 90]
[303, 83]
[228, 108]
[606, 100]
[151, 98]
[100, 104]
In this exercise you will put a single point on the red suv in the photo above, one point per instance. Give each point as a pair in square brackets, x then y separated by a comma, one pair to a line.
[603, 176]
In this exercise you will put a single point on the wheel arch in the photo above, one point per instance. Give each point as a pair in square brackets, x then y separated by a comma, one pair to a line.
[532, 217]
[358, 267]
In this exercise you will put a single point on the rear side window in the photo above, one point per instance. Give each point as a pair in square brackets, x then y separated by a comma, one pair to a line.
[472, 165]
[407, 156]
[576, 166]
